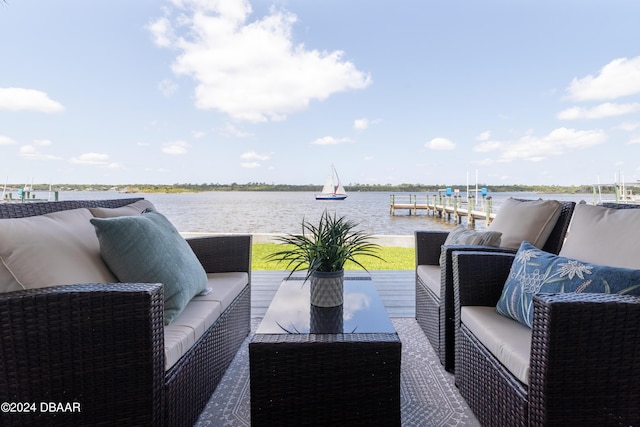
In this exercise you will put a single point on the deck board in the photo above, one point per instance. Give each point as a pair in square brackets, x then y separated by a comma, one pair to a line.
[395, 287]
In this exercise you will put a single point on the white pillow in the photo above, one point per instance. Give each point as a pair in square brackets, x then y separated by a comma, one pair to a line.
[531, 221]
[134, 208]
[60, 248]
[604, 236]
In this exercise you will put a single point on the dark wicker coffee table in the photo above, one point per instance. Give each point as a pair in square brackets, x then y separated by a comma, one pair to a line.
[312, 366]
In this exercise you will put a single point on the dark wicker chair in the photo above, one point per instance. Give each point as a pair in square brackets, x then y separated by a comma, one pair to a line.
[435, 313]
[102, 345]
[585, 356]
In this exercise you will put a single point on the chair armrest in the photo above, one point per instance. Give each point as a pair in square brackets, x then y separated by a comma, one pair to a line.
[99, 346]
[585, 359]
[222, 254]
[449, 250]
[428, 246]
[480, 276]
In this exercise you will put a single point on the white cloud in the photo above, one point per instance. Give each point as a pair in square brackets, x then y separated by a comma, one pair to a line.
[32, 153]
[628, 126]
[487, 146]
[232, 131]
[250, 70]
[5, 140]
[329, 140]
[250, 165]
[197, 134]
[484, 136]
[635, 140]
[162, 32]
[557, 142]
[18, 99]
[620, 77]
[361, 124]
[96, 159]
[167, 87]
[368, 158]
[440, 144]
[175, 148]
[608, 109]
[252, 155]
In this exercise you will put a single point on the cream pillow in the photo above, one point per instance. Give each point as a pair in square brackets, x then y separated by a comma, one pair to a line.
[8, 283]
[531, 221]
[604, 236]
[60, 248]
[134, 208]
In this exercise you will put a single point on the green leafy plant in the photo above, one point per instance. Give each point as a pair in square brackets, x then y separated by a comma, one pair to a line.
[325, 247]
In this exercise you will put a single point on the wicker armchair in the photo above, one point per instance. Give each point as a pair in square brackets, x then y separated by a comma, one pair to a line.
[435, 312]
[584, 355]
[101, 346]
[583, 366]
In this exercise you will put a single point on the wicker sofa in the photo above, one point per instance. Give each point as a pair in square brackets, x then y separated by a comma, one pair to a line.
[578, 363]
[100, 349]
[434, 284]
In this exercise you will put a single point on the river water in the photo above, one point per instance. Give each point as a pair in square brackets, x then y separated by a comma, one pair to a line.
[283, 212]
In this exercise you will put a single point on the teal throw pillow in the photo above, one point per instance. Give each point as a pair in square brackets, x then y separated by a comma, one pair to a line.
[534, 271]
[147, 248]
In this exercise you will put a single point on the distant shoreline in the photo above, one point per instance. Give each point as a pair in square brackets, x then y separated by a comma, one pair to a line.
[401, 188]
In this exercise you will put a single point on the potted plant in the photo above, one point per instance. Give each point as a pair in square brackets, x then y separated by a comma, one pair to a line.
[323, 250]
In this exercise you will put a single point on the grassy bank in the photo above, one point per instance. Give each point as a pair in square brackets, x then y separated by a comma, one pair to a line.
[395, 258]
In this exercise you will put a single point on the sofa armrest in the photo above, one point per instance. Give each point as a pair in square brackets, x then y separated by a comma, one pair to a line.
[428, 246]
[222, 254]
[97, 349]
[585, 359]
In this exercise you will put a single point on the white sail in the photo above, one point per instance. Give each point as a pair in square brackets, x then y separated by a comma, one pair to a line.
[328, 185]
[333, 189]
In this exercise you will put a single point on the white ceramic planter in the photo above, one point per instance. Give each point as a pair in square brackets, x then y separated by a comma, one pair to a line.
[327, 289]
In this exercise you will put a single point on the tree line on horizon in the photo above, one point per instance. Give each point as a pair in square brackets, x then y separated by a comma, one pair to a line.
[259, 186]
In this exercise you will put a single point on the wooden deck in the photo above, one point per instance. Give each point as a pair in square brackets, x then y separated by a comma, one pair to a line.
[395, 287]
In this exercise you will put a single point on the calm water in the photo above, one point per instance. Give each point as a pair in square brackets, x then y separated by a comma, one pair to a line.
[282, 212]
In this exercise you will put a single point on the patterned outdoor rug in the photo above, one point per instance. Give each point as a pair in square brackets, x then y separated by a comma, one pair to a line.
[427, 393]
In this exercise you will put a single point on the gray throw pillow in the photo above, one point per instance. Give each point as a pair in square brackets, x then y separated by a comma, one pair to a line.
[463, 236]
[147, 248]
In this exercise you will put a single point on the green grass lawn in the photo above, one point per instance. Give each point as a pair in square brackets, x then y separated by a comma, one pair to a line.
[395, 258]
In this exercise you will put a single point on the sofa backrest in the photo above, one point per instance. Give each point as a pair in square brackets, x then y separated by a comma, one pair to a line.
[543, 223]
[606, 235]
[21, 210]
[52, 243]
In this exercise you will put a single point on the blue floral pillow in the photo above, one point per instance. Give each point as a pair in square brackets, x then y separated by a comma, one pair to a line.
[535, 271]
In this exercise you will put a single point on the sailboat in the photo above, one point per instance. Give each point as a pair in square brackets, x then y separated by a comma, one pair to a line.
[333, 189]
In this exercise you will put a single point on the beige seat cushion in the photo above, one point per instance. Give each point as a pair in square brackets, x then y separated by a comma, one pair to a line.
[430, 276]
[604, 236]
[200, 313]
[530, 221]
[508, 340]
[59, 248]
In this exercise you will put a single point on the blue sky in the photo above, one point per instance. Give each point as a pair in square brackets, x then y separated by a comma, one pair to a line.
[275, 91]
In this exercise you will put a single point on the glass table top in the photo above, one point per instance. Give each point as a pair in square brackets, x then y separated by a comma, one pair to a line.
[291, 313]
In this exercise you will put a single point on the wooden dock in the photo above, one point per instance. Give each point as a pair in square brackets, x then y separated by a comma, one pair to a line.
[450, 207]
